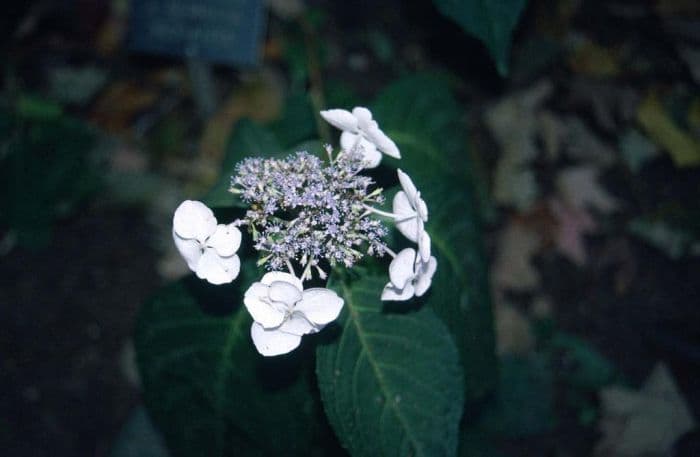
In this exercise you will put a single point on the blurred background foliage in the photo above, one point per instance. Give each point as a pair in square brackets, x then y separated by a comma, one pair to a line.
[570, 128]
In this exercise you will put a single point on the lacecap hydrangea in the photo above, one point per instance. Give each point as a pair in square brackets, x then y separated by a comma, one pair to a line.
[306, 215]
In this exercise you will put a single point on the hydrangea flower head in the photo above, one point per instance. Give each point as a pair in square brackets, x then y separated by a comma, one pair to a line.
[306, 214]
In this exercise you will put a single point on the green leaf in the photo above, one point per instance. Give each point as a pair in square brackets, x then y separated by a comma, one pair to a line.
[139, 438]
[46, 171]
[391, 383]
[586, 368]
[421, 115]
[248, 139]
[207, 389]
[492, 22]
[524, 405]
[297, 122]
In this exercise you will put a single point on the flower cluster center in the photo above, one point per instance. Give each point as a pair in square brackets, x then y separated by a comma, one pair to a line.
[304, 210]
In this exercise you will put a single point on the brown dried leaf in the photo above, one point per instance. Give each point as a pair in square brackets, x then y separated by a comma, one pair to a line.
[512, 267]
[579, 187]
[513, 331]
[573, 223]
[645, 422]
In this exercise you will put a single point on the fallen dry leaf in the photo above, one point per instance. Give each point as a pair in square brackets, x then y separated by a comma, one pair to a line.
[579, 187]
[573, 223]
[514, 184]
[512, 267]
[584, 145]
[514, 125]
[683, 148]
[259, 98]
[592, 59]
[645, 422]
[636, 149]
[607, 102]
[121, 102]
[513, 331]
[552, 132]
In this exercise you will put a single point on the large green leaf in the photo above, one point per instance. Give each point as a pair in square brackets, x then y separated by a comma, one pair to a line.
[391, 384]
[208, 390]
[492, 22]
[421, 115]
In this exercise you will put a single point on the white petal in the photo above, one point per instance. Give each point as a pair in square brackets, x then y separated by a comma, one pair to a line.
[232, 265]
[273, 341]
[424, 246]
[262, 311]
[407, 220]
[297, 324]
[407, 185]
[371, 156]
[320, 306]
[383, 142]
[401, 270]
[349, 141]
[411, 228]
[284, 292]
[425, 276]
[421, 208]
[391, 293]
[340, 119]
[192, 219]
[402, 206]
[215, 269]
[226, 240]
[273, 276]
[190, 250]
[363, 116]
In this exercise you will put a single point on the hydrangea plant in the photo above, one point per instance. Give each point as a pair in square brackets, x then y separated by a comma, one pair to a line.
[305, 215]
[354, 328]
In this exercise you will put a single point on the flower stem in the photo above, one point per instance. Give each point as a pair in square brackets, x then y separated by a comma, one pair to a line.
[291, 268]
[389, 251]
[380, 212]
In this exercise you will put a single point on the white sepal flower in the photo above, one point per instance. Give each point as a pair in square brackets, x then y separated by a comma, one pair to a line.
[283, 311]
[208, 248]
[411, 214]
[409, 275]
[361, 131]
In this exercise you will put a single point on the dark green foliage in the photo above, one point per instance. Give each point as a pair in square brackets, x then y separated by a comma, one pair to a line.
[391, 383]
[46, 170]
[524, 404]
[421, 115]
[492, 22]
[205, 385]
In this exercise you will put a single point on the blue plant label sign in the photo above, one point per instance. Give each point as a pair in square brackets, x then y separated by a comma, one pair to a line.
[218, 31]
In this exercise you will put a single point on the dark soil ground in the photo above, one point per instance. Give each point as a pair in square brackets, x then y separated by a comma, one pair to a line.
[68, 311]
